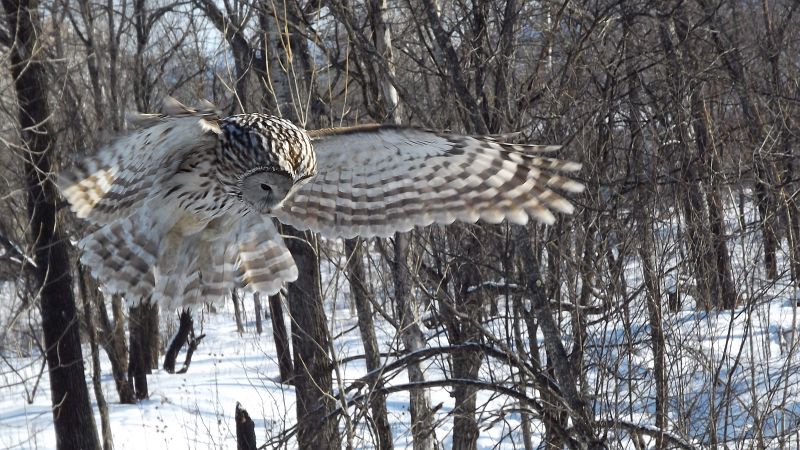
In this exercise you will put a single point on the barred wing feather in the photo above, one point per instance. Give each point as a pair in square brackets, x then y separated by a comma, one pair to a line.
[375, 180]
[115, 182]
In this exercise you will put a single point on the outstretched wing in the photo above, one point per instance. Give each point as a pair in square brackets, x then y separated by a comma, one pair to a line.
[374, 180]
[115, 181]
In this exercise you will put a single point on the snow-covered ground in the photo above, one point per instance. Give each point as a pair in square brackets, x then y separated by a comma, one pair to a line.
[737, 372]
[195, 410]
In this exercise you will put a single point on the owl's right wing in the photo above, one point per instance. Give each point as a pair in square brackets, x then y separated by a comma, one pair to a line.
[113, 183]
[374, 180]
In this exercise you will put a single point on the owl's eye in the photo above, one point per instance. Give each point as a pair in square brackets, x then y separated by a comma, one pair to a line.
[265, 190]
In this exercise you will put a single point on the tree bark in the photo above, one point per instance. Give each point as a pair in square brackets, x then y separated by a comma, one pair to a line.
[281, 338]
[462, 318]
[700, 202]
[567, 379]
[258, 312]
[97, 386]
[112, 339]
[237, 311]
[422, 420]
[366, 326]
[455, 76]
[139, 364]
[185, 326]
[729, 53]
[310, 340]
[194, 342]
[647, 249]
[245, 430]
[72, 412]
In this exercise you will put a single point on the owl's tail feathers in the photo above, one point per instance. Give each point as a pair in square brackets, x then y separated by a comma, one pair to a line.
[122, 259]
[264, 263]
[217, 270]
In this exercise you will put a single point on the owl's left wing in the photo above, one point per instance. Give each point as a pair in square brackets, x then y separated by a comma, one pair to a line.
[122, 175]
[374, 180]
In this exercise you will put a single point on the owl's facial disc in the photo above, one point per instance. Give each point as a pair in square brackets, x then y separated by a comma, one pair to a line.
[264, 190]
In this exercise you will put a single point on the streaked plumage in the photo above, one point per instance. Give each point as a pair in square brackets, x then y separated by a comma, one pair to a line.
[184, 205]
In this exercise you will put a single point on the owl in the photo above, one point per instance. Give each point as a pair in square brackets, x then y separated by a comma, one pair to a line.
[184, 207]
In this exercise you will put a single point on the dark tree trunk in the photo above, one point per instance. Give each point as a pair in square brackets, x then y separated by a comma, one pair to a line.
[185, 326]
[152, 342]
[422, 424]
[724, 38]
[237, 311]
[456, 78]
[245, 430]
[144, 330]
[462, 321]
[281, 339]
[72, 412]
[113, 341]
[257, 306]
[700, 202]
[97, 386]
[565, 376]
[647, 250]
[194, 342]
[310, 340]
[366, 326]
[141, 84]
[138, 365]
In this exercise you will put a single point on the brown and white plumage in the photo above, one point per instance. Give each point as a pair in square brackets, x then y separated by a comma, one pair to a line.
[375, 180]
[184, 205]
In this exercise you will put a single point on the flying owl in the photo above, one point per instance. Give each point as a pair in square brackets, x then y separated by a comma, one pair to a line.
[182, 208]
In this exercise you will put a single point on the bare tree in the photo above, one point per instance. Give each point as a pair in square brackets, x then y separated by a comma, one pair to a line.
[72, 412]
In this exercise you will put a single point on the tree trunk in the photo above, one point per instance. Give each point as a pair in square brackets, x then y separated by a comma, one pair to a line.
[138, 365]
[724, 40]
[422, 420]
[310, 340]
[185, 326]
[194, 342]
[72, 412]
[700, 202]
[281, 338]
[245, 430]
[366, 326]
[462, 319]
[237, 311]
[112, 339]
[97, 386]
[258, 312]
[567, 379]
[455, 76]
[143, 328]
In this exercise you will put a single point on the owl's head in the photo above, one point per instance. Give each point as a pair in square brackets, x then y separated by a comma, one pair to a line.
[264, 189]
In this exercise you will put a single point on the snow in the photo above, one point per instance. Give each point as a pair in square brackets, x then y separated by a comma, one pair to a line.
[738, 371]
[195, 410]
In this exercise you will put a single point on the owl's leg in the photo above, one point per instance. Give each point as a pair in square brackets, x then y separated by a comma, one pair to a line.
[178, 282]
[216, 261]
[195, 268]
